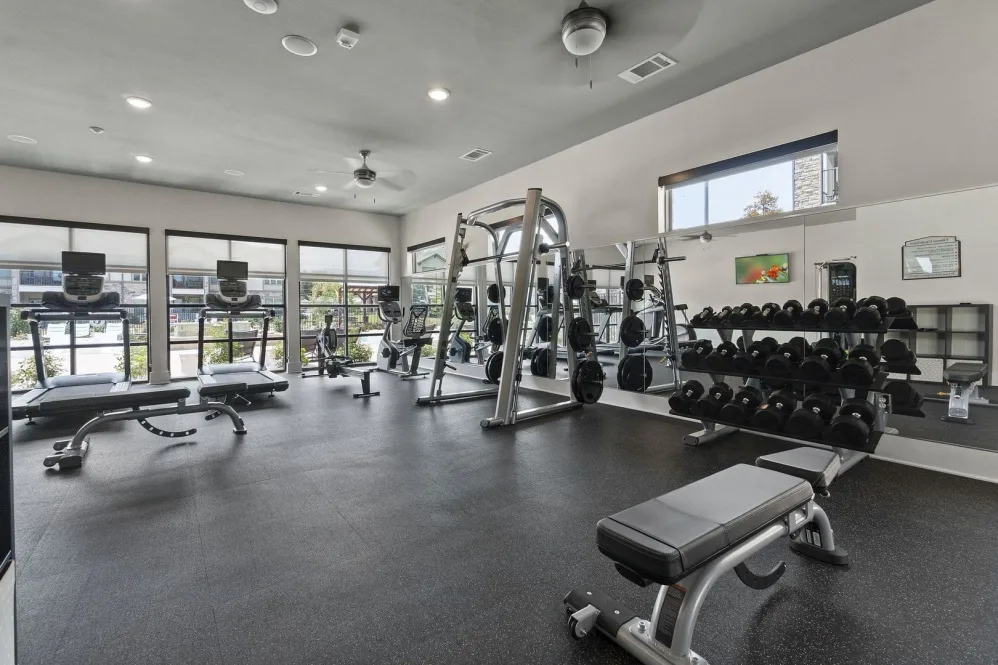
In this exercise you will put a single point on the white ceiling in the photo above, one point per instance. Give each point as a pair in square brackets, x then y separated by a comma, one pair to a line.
[228, 96]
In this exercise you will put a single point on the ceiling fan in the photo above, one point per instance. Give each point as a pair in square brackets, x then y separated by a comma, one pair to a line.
[705, 237]
[365, 176]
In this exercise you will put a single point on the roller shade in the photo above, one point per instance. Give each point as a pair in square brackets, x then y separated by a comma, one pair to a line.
[321, 264]
[367, 266]
[264, 259]
[30, 245]
[125, 252]
[192, 255]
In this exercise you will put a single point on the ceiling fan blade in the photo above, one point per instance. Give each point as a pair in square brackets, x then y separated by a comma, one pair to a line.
[404, 178]
[354, 162]
[667, 22]
[351, 185]
[325, 172]
[388, 184]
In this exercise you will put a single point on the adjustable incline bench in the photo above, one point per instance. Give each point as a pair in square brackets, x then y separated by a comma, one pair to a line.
[963, 379]
[686, 539]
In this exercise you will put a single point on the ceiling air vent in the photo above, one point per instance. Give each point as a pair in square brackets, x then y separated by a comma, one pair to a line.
[653, 65]
[306, 194]
[476, 154]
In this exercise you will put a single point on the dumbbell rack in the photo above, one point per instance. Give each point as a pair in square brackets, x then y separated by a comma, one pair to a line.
[849, 456]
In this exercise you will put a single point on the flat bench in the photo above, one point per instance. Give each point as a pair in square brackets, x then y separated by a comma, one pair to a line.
[695, 534]
[963, 379]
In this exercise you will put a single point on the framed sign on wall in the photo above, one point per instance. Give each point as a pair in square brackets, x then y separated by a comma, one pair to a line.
[932, 257]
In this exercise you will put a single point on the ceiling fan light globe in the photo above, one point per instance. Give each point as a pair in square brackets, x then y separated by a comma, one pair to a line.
[583, 31]
[365, 183]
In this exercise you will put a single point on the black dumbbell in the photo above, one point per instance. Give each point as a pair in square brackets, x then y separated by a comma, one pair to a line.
[814, 313]
[703, 317]
[742, 405]
[773, 415]
[870, 312]
[825, 357]
[721, 359]
[788, 315]
[689, 393]
[896, 352]
[719, 318]
[742, 312]
[753, 359]
[861, 368]
[898, 308]
[787, 357]
[840, 313]
[764, 317]
[808, 422]
[852, 425]
[709, 405]
[903, 396]
[692, 357]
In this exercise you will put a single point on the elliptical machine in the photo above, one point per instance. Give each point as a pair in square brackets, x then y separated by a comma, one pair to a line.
[459, 350]
[401, 357]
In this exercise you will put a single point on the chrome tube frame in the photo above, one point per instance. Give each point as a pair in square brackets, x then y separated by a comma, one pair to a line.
[665, 274]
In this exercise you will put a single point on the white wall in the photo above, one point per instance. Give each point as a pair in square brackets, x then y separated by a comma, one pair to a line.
[46, 195]
[910, 98]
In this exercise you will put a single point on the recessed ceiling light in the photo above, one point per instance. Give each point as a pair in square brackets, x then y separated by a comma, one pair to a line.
[21, 139]
[439, 94]
[262, 6]
[299, 45]
[143, 159]
[139, 102]
[97, 130]
[321, 188]
[233, 172]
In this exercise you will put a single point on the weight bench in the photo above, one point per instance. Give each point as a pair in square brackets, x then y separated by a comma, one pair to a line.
[137, 405]
[686, 539]
[963, 380]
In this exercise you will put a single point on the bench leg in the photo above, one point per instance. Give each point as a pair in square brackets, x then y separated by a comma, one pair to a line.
[817, 540]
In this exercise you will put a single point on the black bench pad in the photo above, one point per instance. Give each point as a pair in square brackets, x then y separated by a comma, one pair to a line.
[667, 538]
[112, 401]
[965, 372]
[815, 465]
[216, 389]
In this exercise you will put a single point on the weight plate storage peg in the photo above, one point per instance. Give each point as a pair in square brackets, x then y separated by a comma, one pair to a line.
[493, 367]
[635, 289]
[632, 331]
[634, 373]
[576, 287]
[587, 383]
[580, 334]
[539, 362]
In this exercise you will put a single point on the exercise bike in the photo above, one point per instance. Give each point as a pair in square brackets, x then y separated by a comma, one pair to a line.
[401, 357]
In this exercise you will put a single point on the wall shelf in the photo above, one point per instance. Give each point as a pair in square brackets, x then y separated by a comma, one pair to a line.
[950, 332]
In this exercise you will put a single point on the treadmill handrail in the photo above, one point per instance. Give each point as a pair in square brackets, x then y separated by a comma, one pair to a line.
[72, 315]
[238, 314]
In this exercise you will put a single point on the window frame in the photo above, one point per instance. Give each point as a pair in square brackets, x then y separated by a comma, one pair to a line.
[411, 253]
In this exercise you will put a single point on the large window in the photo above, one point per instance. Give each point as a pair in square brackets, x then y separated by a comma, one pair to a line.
[794, 176]
[191, 261]
[428, 256]
[30, 264]
[342, 281]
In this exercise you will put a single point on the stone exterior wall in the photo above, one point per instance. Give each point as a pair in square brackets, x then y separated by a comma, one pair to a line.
[807, 182]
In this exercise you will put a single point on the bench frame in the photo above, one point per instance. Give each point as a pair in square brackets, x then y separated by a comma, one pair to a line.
[667, 638]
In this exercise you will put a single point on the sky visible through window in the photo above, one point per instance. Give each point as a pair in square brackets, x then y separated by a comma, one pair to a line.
[729, 195]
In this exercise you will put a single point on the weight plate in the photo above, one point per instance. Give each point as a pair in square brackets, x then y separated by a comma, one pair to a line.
[576, 287]
[544, 328]
[493, 367]
[493, 293]
[580, 334]
[495, 331]
[539, 362]
[632, 331]
[634, 373]
[587, 382]
[635, 289]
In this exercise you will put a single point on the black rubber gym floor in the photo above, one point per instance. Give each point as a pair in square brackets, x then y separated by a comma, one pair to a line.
[343, 531]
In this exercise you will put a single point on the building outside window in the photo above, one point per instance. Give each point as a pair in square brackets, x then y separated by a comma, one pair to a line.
[191, 264]
[30, 264]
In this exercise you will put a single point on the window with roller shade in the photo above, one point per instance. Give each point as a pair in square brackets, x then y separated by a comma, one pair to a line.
[191, 263]
[31, 263]
[343, 281]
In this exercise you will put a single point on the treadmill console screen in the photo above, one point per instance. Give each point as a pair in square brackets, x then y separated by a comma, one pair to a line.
[232, 270]
[388, 293]
[83, 263]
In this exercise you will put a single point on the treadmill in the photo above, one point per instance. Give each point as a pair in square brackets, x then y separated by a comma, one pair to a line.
[232, 302]
[82, 299]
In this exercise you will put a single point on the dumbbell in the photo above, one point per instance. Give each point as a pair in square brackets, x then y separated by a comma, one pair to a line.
[703, 317]
[709, 405]
[742, 405]
[787, 356]
[743, 311]
[689, 393]
[808, 422]
[895, 351]
[870, 312]
[764, 317]
[825, 357]
[852, 425]
[773, 415]
[719, 318]
[840, 313]
[903, 396]
[753, 359]
[692, 357]
[861, 368]
[789, 314]
[721, 359]
[814, 313]
[898, 308]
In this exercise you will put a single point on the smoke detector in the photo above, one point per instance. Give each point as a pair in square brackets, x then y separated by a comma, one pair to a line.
[347, 38]
[583, 30]
[262, 6]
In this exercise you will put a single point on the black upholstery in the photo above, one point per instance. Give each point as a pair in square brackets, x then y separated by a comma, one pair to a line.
[215, 389]
[816, 466]
[966, 373]
[112, 401]
[667, 538]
